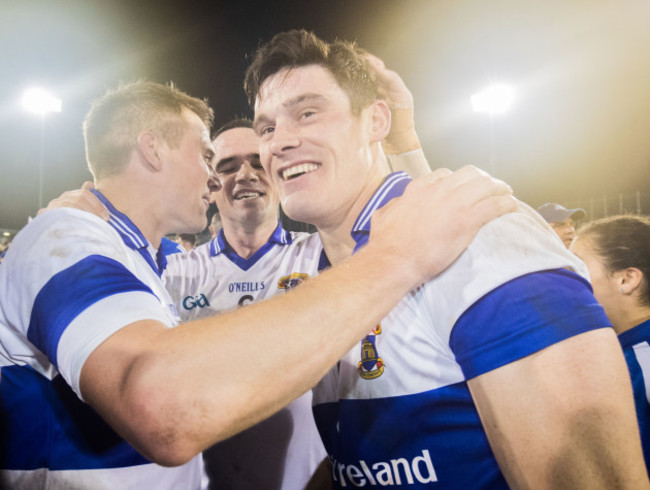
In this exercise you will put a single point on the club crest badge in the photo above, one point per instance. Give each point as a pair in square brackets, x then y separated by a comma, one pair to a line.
[370, 366]
[291, 281]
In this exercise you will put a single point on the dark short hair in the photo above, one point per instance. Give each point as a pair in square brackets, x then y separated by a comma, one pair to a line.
[622, 241]
[297, 48]
[238, 122]
[115, 120]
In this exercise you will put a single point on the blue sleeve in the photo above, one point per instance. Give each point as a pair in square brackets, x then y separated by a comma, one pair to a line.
[70, 292]
[523, 316]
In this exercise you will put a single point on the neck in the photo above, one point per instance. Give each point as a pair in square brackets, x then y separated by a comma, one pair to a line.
[140, 207]
[631, 316]
[247, 240]
[335, 234]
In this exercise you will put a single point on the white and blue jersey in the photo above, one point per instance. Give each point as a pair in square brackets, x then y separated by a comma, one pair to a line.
[70, 281]
[283, 451]
[212, 278]
[636, 348]
[396, 410]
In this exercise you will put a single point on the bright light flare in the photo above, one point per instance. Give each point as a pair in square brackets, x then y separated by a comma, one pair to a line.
[39, 101]
[496, 99]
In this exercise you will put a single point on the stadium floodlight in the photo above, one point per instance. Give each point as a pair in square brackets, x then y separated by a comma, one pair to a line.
[39, 101]
[496, 99]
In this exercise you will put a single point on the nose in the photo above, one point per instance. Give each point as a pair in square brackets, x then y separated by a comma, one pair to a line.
[247, 172]
[285, 137]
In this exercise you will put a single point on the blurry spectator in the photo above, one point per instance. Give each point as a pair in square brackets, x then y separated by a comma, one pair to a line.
[4, 246]
[186, 240]
[562, 220]
[215, 224]
[617, 253]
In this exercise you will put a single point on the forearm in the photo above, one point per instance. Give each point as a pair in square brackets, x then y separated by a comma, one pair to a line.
[282, 347]
[206, 380]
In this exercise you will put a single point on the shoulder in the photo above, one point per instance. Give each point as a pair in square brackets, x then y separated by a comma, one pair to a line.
[63, 235]
[509, 247]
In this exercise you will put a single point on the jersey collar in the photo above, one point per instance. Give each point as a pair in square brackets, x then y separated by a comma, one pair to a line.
[393, 186]
[219, 244]
[131, 235]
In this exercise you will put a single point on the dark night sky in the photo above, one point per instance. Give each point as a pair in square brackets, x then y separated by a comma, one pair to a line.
[579, 129]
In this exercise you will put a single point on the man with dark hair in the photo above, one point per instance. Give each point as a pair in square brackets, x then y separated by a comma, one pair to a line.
[84, 314]
[453, 386]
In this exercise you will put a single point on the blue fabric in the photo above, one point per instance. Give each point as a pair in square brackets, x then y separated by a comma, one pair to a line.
[443, 422]
[628, 339]
[219, 245]
[70, 292]
[44, 425]
[169, 247]
[530, 313]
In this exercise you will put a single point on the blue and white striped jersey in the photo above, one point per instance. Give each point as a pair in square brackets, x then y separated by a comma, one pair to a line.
[71, 281]
[283, 451]
[396, 410]
[212, 278]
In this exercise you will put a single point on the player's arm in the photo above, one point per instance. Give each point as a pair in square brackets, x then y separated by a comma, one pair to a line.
[564, 417]
[174, 392]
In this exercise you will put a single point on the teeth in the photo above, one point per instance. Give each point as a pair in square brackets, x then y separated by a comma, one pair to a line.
[248, 195]
[296, 170]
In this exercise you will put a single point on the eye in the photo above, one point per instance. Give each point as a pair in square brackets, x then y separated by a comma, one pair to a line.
[307, 114]
[208, 156]
[226, 169]
[255, 162]
[267, 130]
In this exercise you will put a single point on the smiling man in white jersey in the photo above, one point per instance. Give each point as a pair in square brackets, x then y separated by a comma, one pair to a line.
[451, 388]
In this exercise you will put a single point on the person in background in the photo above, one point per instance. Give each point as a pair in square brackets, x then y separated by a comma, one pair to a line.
[616, 251]
[562, 220]
[215, 224]
[186, 240]
[451, 388]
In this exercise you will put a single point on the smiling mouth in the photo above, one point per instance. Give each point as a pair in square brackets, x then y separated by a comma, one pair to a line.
[247, 195]
[298, 170]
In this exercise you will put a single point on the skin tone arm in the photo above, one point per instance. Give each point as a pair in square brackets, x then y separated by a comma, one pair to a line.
[549, 429]
[402, 137]
[174, 392]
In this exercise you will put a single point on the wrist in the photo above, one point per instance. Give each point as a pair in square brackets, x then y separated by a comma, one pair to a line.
[402, 136]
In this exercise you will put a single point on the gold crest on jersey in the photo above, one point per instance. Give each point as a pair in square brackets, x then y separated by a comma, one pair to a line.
[370, 366]
[291, 281]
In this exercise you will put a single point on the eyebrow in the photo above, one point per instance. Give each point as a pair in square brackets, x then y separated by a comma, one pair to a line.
[227, 160]
[308, 97]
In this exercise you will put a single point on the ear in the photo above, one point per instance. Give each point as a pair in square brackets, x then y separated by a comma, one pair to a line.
[629, 279]
[148, 146]
[379, 120]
